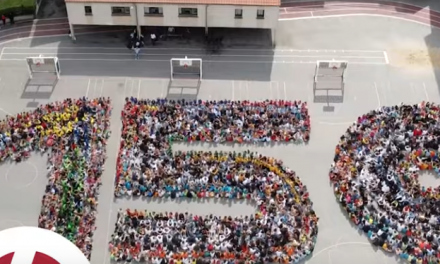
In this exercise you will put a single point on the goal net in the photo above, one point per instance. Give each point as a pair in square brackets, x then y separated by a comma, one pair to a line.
[186, 68]
[330, 75]
[43, 67]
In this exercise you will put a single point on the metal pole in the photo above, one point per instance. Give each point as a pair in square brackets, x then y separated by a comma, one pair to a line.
[138, 27]
[201, 69]
[206, 19]
[171, 65]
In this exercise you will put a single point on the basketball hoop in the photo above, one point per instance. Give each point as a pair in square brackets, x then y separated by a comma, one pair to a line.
[335, 68]
[38, 64]
[185, 66]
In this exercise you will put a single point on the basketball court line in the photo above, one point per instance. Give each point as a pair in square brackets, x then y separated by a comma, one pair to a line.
[211, 61]
[425, 91]
[198, 49]
[27, 184]
[359, 14]
[377, 95]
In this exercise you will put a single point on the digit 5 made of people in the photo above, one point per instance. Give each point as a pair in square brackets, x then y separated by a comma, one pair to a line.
[375, 179]
[284, 228]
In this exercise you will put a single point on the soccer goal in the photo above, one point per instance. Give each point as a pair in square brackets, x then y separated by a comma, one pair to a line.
[330, 75]
[44, 67]
[186, 68]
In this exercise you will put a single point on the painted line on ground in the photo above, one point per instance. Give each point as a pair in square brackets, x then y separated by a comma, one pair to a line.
[373, 2]
[208, 61]
[33, 31]
[1, 53]
[382, 6]
[60, 35]
[361, 10]
[360, 14]
[30, 26]
[377, 95]
[204, 55]
[200, 49]
[426, 92]
[27, 184]
[385, 54]
[335, 123]
[365, 6]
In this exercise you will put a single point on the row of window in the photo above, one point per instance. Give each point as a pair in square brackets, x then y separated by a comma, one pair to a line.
[158, 11]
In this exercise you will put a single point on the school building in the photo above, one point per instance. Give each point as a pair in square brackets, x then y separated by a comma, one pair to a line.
[255, 14]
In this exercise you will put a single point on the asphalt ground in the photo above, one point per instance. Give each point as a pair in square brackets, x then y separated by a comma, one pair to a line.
[368, 86]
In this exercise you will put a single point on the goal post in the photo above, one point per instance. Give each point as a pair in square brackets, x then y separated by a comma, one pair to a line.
[330, 75]
[186, 68]
[41, 65]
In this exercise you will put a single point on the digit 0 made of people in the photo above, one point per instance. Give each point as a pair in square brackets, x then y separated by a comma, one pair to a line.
[74, 135]
[375, 179]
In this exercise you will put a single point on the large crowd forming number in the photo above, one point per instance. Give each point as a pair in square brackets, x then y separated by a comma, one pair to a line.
[284, 228]
[374, 175]
[375, 179]
[73, 133]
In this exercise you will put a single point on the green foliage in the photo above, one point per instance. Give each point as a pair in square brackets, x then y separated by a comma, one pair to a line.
[17, 7]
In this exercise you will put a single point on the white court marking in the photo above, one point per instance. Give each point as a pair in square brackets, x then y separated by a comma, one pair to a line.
[17, 222]
[29, 183]
[335, 123]
[88, 88]
[199, 49]
[336, 246]
[209, 61]
[283, 56]
[377, 95]
[359, 14]
[426, 92]
[323, 56]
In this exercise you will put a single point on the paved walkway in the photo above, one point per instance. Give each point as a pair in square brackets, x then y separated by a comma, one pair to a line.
[420, 12]
[426, 12]
[48, 27]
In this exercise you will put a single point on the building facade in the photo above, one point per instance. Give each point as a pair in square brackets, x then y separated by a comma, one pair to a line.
[261, 14]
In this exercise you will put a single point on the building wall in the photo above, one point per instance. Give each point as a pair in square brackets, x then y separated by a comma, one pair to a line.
[218, 16]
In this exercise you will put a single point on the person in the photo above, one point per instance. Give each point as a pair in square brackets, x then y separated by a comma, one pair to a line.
[375, 173]
[133, 35]
[72, 133]
[137, 50]
[4, 19]
[283, 229]
[11, 18]
[153, 39]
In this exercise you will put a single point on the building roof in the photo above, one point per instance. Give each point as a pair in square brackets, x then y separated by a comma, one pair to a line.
[189, 2]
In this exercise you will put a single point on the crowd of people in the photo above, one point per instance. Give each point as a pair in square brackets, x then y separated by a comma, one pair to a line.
[375, 175]
[284, 228]
[73, 133]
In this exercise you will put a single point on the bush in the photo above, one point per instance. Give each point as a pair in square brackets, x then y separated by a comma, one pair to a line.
[17, 7]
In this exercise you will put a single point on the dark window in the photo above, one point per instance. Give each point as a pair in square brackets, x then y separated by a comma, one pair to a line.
[88, 10]
[153, 11]
[120, 10]
[188, 12]
[238, 13]
[260, 13]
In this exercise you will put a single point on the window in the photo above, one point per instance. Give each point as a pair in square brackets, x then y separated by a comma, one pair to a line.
[192, 12]
[260, 13]
[153, 11]
[238, 13]
[88, 10]
[120, 11]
